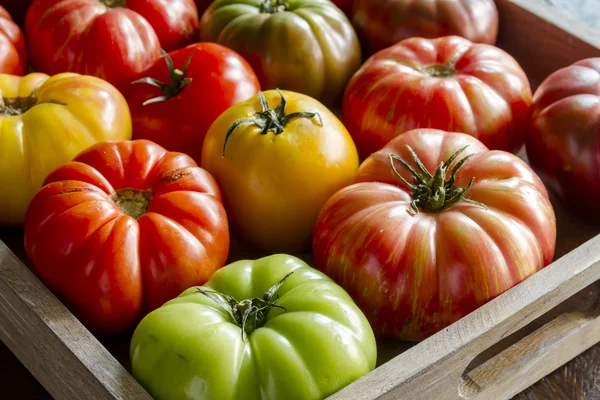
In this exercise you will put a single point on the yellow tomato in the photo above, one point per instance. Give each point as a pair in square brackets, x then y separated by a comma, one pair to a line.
[278, 167]
[46, 121]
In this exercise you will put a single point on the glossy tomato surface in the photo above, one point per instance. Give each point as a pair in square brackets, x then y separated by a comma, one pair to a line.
[123, 228]
[383, 23]
[44, 122]
[178, 115]
[305, 46]
[274, 183]
[111, 39]
[563, 141]
[448, 83]
[344, 5]
[413, 274]
[13, 51]
[192, 348]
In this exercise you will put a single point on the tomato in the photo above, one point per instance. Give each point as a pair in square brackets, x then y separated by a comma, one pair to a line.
[391, 21]
[13, 52]
[306, 46]
[123, 228]
[563, 141]
[112, 39]
[309, 342]
[418, 251]
[278, 157]
[447, 83]
[44, 122]
[185, 92]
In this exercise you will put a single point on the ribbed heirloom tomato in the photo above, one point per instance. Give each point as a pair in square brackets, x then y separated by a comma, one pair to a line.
[268, 329]
[184, 92]
[383, 23]
[448, 83]
[13, 52]
[436, 226]
[306, 46]
[563, 141]
[123, 228]
[111, 39]
[278, 157]
[44, 122]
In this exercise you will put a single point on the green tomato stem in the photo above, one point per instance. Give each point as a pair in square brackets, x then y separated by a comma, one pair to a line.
[433, 193]
[270, 120]
[273, 6]
[177, 78]
[248, 314]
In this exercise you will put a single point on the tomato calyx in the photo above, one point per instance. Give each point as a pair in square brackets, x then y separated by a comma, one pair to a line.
[273, 6]
[270, 120]
[177, 78]
[433, 193]
[132, 202]
[248, 314]
[440, 70]
[17, 105]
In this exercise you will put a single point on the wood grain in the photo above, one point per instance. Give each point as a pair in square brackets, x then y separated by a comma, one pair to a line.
[543, 39]
[52, 343]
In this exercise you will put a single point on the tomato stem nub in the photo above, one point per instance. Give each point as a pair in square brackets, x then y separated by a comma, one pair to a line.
[132, 202]
[249, 314]
[273, 6]
[270, 120]
[434, 193]
[177, 78]
[16, 106]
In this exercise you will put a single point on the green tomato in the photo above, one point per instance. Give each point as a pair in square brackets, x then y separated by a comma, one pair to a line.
[302, 337]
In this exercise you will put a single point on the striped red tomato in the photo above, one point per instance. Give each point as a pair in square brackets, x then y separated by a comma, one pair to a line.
[419, 251]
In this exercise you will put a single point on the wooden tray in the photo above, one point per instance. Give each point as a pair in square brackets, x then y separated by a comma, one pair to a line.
[493, 353]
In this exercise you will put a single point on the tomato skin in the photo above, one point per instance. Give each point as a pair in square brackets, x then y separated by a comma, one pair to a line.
[13, 51]
[275, 185]
[106, 265]
[563, 140]
[310, 48]
[220, 79]
[391, 21]
[414, 275]
[115, 44]
[67, 113]
[488, 96]
[320, 343]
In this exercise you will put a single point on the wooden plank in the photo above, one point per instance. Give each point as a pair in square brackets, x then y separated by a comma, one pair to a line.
[433, 368]
[533, 357]
[542, 38]
[58, 350]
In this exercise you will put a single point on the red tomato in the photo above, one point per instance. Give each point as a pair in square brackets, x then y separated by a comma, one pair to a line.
[563, 141]
[447, 83]
[391, 21]
[111, 39]
[13, 52]
[123, 228]
[183, 99]
[413, 272]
